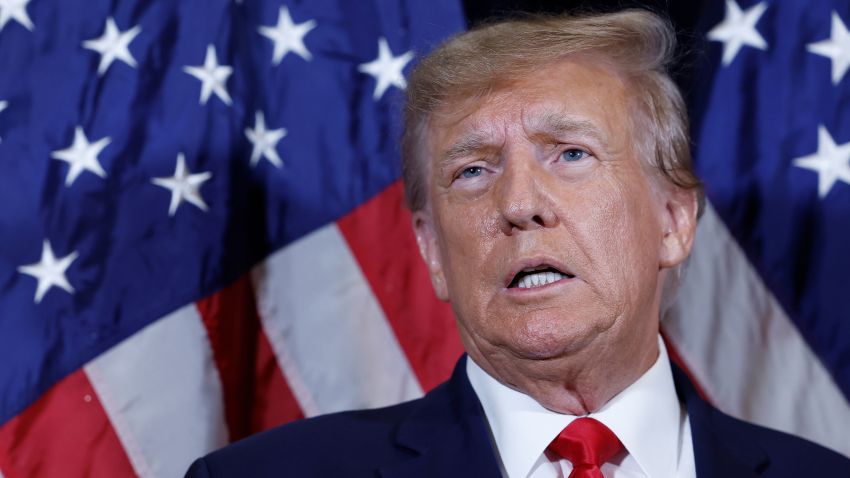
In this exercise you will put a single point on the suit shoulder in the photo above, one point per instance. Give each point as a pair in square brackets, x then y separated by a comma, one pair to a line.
[791, 455]
[356, 440]
[718, 437]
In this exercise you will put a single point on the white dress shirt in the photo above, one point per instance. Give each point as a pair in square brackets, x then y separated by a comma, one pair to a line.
[647, 418]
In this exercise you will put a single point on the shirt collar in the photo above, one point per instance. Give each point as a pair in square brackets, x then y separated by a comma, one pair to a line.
[646, 417]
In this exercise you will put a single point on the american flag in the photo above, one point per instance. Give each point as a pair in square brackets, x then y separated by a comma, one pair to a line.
[763, 320]
[202, 226]
[202, 233]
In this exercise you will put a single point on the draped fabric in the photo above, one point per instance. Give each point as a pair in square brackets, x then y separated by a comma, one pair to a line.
[202, 233]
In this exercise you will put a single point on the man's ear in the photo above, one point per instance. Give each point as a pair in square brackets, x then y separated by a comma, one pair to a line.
[680, 224]
[426, 239]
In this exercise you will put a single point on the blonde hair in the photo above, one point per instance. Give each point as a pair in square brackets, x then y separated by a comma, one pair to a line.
[636, 43]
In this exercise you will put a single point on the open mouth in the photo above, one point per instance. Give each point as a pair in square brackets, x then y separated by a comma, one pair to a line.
[538, 276]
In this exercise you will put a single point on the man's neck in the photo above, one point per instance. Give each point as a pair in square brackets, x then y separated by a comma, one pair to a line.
[572, 384]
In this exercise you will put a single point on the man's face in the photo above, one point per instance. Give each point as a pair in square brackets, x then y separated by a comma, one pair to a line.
[545, 228]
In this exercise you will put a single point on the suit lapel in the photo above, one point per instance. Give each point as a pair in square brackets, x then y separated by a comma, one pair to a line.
[721, 450]
[449, 432]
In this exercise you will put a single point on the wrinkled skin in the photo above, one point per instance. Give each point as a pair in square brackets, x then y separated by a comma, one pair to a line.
[547, 170]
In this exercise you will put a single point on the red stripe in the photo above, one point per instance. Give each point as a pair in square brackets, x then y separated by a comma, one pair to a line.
[676, 357]
[381, 239]
[256, 395]
[66, 433]
[274, 404]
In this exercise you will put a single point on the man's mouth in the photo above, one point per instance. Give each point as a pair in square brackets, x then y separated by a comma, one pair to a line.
[538, 276]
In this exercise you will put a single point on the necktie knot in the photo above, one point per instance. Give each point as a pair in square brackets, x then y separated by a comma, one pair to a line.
[587, 444]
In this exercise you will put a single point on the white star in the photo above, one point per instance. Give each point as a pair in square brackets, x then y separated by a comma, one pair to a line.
[82, 156]
[49, 271]
[386, 68]
[738, 29]
[213, 77]
[264, 141]
[184, 186]
[113, 45]
[288, 36]
[15, 10]
[831, 162]
[3, 105]
[837, 48]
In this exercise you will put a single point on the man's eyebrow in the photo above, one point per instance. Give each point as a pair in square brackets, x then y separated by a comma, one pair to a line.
[556, 124]
[465, 146]
[549, 125]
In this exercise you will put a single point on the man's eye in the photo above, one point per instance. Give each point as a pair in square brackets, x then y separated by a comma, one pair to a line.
[471, 172]
[574, 154]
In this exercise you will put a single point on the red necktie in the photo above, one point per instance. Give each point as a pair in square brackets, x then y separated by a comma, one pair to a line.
[587, 444]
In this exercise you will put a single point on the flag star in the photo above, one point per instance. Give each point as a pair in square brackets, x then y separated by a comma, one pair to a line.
[264, 141]
[213, 77]
[15, 10]
[738, 29]
[184, 186]
[387, 69]
[831, 162]
[49, 271]
[288, 36]
[113, 45]
[82, 156]
[836, 48]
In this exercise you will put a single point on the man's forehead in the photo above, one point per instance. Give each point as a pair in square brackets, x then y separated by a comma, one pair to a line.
[562, 97]
[490, 125]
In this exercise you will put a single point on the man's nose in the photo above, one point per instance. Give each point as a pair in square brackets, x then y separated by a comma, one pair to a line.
[523, 196]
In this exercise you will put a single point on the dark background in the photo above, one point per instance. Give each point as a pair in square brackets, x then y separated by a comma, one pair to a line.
[684, 13]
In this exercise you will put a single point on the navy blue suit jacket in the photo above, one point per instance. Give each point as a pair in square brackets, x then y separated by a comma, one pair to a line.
[445, 433]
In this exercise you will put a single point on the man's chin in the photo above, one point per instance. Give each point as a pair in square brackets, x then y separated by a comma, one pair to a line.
[549, 347]
[544, 336]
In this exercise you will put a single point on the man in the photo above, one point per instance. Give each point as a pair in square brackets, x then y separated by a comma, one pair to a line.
[546, 163]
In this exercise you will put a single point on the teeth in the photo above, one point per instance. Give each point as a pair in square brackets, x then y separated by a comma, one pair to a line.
[538, 279]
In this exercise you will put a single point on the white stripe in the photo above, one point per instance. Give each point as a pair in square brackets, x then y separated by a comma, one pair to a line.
[745, 351]
[163, 395]
[327, 330]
